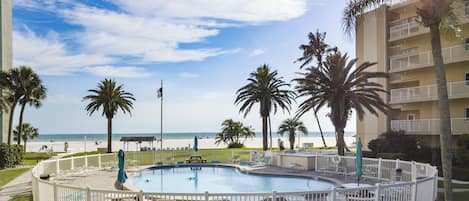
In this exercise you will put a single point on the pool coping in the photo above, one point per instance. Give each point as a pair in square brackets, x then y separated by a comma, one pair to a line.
[243, 169]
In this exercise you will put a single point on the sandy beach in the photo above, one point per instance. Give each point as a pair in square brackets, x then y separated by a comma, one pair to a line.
[77, 146]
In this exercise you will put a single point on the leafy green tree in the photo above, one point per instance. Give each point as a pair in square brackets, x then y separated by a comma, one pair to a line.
[291, 126]
[269, 91]
[434, 14]
[233, 132]
[28, 133]
[109, 97]
[341, 87]
[12, 91]
[33, 92]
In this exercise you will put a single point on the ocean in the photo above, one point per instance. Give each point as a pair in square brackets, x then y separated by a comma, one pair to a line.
[183, 135]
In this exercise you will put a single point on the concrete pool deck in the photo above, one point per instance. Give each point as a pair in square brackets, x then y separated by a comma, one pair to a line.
[105, 179]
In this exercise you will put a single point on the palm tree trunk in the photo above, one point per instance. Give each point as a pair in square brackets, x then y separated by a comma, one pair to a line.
[20, 123]
[264, 133]
[24, 148]
[320, 129]
[10, 122]
[291, 138]
[270, 133]
[340, 142]
[443, 104]
[109, 135]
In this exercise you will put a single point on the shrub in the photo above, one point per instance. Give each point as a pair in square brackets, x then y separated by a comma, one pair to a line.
[394, 142]
[10, 155]
[391, 155]
[235, 145]
[462, 151]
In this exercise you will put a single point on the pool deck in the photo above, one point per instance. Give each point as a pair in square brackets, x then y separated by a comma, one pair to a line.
[105, 179]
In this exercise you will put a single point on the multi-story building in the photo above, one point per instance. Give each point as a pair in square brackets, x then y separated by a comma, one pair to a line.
[392, 36]
[5, 55]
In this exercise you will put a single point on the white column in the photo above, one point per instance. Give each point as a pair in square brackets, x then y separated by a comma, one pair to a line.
[57, 167]
[379, 168]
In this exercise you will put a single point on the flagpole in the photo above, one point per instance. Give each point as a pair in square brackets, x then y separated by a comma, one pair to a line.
[161, 128]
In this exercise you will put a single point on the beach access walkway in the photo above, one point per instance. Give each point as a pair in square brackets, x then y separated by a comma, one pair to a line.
[21, 185]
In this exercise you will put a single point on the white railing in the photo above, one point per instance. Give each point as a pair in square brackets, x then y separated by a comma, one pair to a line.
[459, 89]
[418, 182]
[406, 29]
[430, 126]
[423, 59]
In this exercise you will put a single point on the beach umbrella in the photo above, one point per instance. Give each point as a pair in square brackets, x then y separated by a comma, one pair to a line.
[358, 161]
[196, 144]
[121, 175]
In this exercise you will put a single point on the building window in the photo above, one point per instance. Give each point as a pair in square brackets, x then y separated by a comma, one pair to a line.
[410, 116]
[466, 9]
[467, 79]
[467, 114]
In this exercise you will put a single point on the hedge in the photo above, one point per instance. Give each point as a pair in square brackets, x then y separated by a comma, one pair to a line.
[10, 155]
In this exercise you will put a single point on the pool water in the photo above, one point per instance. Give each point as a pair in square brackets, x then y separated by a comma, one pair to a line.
[216, 179]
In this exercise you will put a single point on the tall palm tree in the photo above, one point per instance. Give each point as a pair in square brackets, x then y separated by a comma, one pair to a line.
[315, 50]
[341, 87]
[291, 126]
[12, 91]
[270, 91]
[109, 97]
[33, 93]
[28, 132]
[433, 14]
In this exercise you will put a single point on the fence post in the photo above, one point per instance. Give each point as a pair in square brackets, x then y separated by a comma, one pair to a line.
[333, 194]
[413, 171]
[57, 167]
[379, 168]
[206, 195]
[72, 163]
[140, 195]
[86, 162]
[397, 163]
[378, 192]
[56, 195]
[414, 191]
[88, 194]
[274, 195]
[99, 161]
[316, 163]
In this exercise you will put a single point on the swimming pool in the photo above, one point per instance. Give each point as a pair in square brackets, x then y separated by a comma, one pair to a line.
[219, 179]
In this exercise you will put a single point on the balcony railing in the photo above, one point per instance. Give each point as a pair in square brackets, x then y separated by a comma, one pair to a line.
[423, 59]
[429, 92]
[407, 29]
[430, 126]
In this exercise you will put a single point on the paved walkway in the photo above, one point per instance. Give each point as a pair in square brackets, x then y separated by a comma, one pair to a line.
[455, 181]
[21, 185]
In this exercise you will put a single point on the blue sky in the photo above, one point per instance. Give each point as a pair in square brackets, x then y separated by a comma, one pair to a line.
[203, 50]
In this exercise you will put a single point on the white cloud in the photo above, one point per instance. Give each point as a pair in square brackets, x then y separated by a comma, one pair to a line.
[250, 11]
[257, 52]
[124, 72]
[49, 56]
[188, 75]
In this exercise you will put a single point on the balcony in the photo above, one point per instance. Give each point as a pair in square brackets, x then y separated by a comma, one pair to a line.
[425, 59]
[428, 93]
[406, 29]
[430, 126]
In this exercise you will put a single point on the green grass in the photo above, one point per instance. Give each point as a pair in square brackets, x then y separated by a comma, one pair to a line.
[440, 185]
[456, 196]
[7, 175]
[31, 158]
[22, 198]
[85, 153]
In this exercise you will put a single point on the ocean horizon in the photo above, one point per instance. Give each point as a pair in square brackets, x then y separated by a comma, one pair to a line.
[71, 137]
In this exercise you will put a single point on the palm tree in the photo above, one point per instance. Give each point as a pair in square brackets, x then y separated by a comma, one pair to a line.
[28, 132]
[341, 87]
[109, 97]
[33, 93]
[232, 133]
[315, 50]
[433, 14]
[267, 89]
[10, 82]
[290, 126]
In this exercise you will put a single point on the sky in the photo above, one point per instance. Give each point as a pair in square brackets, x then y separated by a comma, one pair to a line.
[203, 50]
